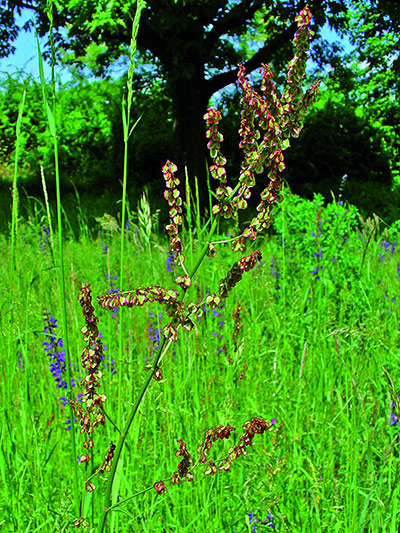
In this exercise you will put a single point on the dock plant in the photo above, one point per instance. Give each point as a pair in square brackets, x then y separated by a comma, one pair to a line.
[268, 122]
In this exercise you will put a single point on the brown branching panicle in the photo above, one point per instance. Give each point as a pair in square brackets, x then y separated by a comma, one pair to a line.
[268, 121]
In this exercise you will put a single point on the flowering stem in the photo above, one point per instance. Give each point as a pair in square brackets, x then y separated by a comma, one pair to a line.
[122, 438]
[15, 192]
[205, 248]
[268, 152]
[111, 421]
[121, 271]
[164, 345]
[130, 498]
[126, 115]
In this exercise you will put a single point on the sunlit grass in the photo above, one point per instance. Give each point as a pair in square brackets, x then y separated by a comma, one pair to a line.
[312, 360]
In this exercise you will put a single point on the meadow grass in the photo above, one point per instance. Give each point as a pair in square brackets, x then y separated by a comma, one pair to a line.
[307, 339]
[310, 354]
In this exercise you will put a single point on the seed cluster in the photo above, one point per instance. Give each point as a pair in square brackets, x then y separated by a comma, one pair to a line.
[235, 274]
[237, 324]
[183, 468]
[172, 195]
[250, 429]
[267, 123]
[107, 462]
[92, 356]
[138, 297]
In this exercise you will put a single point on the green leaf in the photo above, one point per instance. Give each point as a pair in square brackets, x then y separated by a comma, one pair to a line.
[49, 114]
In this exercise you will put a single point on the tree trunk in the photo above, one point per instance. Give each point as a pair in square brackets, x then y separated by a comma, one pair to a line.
[190, 100]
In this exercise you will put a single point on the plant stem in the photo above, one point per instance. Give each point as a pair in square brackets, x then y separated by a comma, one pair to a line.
[126, 115]
[122, 438]
[15, 193]
[61, 279]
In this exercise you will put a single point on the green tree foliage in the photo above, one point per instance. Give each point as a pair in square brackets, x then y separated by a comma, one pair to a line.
[35, 137]
[375, 33]
[195, 43]
[90, 138]
[337, 139]
[192, 49]
[353, 128]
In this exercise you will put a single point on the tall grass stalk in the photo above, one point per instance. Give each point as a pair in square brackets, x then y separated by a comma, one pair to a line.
[14, 219]
[127, 132]
[48, 212]
[50, 114]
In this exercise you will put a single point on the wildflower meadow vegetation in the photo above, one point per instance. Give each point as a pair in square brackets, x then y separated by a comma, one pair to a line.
[235, 372]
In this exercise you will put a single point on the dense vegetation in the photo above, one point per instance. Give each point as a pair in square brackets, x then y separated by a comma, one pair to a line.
[319, 321]
[352, 129]
[204, 389]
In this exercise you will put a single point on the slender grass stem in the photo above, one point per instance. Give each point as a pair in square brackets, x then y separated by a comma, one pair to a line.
[126, 115]
[46, 201]
[15, 192]
[61, 276]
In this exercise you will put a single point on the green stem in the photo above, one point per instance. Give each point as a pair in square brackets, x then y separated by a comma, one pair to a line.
[61, 278]
[126, 115]
[121, 442]
[121, 276]
[205, 248]
[130, 498]
[15, 193]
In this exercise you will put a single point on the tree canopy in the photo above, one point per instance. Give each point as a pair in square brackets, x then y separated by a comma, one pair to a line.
[197, 43]
[194, 47]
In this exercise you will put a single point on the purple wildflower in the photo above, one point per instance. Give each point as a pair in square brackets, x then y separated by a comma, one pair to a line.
[170, 262]
[105, 248]
[53, 348]
[394, 419]
[388, 249]
[275, 272]
[269, 520]
[21, 362]
[44, 239]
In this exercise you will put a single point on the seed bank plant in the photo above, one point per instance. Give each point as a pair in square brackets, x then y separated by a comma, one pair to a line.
[268, 121]
[234, 387]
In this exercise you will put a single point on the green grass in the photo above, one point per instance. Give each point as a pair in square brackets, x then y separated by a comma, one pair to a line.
[311, 351]
[316, 351]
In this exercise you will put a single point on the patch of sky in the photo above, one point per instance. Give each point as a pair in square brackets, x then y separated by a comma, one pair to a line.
[24, 60]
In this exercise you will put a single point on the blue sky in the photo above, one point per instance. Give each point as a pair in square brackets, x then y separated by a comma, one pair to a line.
[25, 57]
